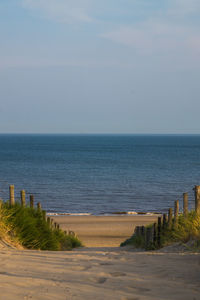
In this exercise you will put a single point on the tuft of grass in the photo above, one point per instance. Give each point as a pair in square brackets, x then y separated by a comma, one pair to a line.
[28, 226]
[187, 229]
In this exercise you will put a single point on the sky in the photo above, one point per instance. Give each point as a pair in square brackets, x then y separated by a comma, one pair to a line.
[109, 66]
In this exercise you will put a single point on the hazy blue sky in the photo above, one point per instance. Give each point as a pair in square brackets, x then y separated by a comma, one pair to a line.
[100, 66]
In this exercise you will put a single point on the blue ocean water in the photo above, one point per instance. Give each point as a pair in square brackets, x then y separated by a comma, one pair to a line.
[101, 173]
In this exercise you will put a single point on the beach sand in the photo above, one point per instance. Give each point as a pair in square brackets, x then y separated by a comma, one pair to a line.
[100, 273]
[103, 231]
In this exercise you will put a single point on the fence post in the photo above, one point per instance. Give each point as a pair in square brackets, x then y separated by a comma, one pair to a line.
[170, 213]
[176, 212]
[185, 204]
[137, 230]
[154, 233]
[23, 198]
[164, 221]
[148, 237]
[159, 231]
[39, 206]
[197, 199]
[31, 201]
[49, 222]
[143, 231]
[44, 215]
[12, 195]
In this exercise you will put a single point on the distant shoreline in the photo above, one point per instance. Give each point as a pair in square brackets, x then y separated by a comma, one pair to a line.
[123, 213]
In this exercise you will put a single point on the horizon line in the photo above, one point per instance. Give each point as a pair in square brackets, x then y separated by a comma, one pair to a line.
[79, 133]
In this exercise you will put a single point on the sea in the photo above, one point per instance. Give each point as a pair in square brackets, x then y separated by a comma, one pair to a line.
[100, 174]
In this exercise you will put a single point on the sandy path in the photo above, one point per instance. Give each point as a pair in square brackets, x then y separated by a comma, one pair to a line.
[99, 273]
[100, 231]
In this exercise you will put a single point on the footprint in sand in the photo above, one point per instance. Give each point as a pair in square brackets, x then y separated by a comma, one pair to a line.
[125, 298]
[105, 264]
[117, 274]
[99, 279]
[81, 268]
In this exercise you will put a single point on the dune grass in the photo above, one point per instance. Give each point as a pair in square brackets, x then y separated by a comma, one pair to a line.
[186, 229]
[28, 226]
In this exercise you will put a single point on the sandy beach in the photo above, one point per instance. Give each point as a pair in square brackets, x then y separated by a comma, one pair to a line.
[99, 271]
[103, 231]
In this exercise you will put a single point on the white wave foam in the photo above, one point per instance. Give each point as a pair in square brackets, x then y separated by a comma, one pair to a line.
[69, 214]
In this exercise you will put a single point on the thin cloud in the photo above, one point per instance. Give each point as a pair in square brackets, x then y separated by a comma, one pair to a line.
[161, 33]
[150, 37]
[183, 7]
[64, 11]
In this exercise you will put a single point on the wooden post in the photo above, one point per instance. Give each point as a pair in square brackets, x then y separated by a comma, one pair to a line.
[39, 206]
[55, 225]
[137, 230]
[164, 221]
[12, 195]
[159, 231]
[185, 204]
[31, 201]
[148, 237]
[143, 231]
[176, 212]
[197, 199]
[44, 215]
[49, 222]
[154, 233]
[58, 226]
[170, 213]
[23, 198]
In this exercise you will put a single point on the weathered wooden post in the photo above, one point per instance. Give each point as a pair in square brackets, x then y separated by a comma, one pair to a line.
[197, 199]
[137, 230]
[143, 231]
[170, 214]
[23, 198]
[39, 206]
[58, 226]
[12, 195]
[148, 237]
[55, 225]
[185, 204]
[164, 221]
[176, 212]
[49, 222]
[154, 233]
[159, 231]
[31, 201]
[44, 214]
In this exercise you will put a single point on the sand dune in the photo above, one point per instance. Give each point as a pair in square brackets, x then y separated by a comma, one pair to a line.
[99, 273]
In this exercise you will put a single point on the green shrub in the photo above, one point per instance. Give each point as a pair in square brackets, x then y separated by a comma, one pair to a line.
[33, 232]
[187, 229]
